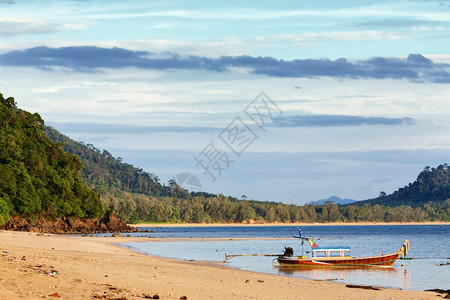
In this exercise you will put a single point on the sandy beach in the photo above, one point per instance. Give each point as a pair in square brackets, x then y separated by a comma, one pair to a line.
[36, 266]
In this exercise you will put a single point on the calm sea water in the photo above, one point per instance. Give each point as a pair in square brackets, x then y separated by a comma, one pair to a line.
[429, 267]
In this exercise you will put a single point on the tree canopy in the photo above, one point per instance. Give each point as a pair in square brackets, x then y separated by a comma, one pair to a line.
[110, 175]
[37, 177]
[44, 173]
[138, 196]
[431, 185]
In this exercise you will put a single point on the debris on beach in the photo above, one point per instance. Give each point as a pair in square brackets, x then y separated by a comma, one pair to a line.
[332, 279]
[440, 291]
[43, 270]
[364, 287]
[56, 295]
[148, 296]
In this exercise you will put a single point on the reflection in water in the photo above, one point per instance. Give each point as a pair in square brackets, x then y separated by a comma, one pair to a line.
[406, 279]
[428, 270]
[315, 272]
[397, 277]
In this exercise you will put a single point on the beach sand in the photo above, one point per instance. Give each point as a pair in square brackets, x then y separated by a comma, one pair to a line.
[33, 266]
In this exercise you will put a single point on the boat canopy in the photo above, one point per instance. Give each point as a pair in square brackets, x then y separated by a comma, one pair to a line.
[331, 251]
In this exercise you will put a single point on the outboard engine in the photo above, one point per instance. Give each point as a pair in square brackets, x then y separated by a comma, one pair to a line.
[288, 252]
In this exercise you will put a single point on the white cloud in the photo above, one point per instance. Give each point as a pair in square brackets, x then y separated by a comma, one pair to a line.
[11, 26]
[312, 162]
[398, 9]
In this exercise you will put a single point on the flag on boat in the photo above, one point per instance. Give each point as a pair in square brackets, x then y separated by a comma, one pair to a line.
[404, 249]
[313, 245]
[300, 232]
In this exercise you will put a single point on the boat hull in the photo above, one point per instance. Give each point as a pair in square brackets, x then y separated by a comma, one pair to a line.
[381, 261]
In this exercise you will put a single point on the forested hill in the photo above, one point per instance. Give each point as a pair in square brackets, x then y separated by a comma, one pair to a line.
[109, 175]
[431, 186]
[37, 177]
[138, 196]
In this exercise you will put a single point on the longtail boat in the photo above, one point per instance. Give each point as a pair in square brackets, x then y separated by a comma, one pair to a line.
[337, 257]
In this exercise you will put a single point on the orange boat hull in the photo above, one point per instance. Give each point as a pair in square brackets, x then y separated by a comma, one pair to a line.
[381, 260]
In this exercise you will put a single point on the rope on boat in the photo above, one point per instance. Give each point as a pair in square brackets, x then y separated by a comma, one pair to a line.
[275, 263]
[236, 255]
[288, 251]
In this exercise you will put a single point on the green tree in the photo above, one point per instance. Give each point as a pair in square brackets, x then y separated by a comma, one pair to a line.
[36, 175]
[4, 211]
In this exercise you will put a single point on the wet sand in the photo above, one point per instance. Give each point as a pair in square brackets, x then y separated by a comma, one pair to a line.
[33, 266]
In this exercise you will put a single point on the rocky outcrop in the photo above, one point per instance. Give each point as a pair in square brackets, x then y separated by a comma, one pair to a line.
[108, 223]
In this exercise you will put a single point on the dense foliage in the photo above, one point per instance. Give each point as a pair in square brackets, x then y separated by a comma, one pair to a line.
[135, 208]
[37, 177]
[109, 175]
[432, 184]
[138, 196]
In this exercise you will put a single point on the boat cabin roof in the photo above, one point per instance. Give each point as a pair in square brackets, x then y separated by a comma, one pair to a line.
[331, 251]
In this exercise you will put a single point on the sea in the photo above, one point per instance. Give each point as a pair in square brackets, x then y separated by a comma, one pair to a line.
[427, 265]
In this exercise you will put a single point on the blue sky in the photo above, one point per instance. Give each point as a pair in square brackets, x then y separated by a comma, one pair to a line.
[355, 92]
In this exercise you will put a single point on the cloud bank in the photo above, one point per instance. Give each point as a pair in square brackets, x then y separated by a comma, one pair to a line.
[337, 120]
[287, 121]
[415, 67]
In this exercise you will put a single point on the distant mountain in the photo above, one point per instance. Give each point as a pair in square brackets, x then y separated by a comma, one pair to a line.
[431, 186]
[42, 185]
[334, 199]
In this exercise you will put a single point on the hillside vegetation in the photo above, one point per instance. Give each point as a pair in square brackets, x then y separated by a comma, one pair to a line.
[138, 196]
[109, 175]
[432, 185]
[37, 177]
[44, 174]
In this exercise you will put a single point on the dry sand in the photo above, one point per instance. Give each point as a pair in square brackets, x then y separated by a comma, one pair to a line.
[33, 266]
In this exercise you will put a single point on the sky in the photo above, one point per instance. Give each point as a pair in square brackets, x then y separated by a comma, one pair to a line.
[286, 101]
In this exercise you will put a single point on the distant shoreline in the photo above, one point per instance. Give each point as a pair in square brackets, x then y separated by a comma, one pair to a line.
[281, 224]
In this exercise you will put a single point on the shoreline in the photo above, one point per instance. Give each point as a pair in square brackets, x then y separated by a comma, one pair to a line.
[155, 225]
[36, 266]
